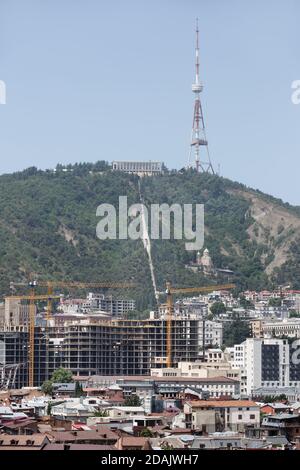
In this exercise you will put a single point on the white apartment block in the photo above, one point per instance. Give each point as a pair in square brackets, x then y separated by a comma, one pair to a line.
[216, 364]
[266, 363]
[213, 333]
[263, 310]
[108, 304]
[289, 327]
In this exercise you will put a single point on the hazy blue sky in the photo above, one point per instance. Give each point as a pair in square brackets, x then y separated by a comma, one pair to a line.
[92, 79]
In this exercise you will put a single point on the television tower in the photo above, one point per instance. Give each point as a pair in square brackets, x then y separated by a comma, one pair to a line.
[198, 136]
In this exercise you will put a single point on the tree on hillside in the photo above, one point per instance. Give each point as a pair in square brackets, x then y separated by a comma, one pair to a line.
[78, 390]
[49, 408]
[101, 414]
[217, 308]
[236, 332]
[133, 400]
[146, 433]
[294, 314]
[275, 302]
[47, 387]
[272, 398]
[245, 303]
[166, 446]
[62, 375]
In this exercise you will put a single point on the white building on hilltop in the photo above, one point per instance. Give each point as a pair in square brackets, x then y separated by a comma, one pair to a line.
[138, 168]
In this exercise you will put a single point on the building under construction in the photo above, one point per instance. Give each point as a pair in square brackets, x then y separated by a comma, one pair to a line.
[116, 347]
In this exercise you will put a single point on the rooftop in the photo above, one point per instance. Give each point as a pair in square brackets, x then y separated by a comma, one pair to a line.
[34, 440]
[151, 378]
[222, 403]
[79, 447]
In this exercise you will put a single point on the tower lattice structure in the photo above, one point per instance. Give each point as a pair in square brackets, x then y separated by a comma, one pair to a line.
[201, 160]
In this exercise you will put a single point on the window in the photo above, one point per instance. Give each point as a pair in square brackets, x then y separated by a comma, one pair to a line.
[252, 416]
[240, 416]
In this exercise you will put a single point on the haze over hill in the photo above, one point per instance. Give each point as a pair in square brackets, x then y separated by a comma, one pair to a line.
[48, 227]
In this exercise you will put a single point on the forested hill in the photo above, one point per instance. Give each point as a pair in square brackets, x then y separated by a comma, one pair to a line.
[48, 227]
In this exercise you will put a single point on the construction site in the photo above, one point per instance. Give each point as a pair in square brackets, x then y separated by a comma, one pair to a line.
[33, 346]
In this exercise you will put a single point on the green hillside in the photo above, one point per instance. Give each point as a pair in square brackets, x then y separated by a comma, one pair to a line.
[48, 227]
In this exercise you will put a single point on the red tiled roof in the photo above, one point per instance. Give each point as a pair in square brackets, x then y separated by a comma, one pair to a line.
[99, 433]
[18, 441]
[180, 431]
[15, 424]
[79, 447]
[134, 441]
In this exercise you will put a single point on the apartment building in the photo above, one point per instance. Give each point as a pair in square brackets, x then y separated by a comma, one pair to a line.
[116, 307]
[266, 363]
[170, 387]
[289, 327]
[213, 333]
[207, 416]
[216, 364]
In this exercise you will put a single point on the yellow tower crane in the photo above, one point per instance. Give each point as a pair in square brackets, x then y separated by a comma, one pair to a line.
[184, 290]
[31, 323]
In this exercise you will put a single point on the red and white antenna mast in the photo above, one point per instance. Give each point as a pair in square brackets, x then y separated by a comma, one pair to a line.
[198, 137]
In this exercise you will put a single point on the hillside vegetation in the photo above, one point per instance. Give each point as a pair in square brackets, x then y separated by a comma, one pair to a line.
[48, 227]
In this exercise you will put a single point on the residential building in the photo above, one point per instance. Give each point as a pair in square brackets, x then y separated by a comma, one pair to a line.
[133, 443]
[170, 387]
[274, 408]
[216, 364]
[122, 412]
[234, 441]
[16, 442]
[291, 393]
[213, 333]
[207, 416]
[282, 424]
[115, 307]
[266, 363]
[73, 409]
[102, 435]
[289, 327]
